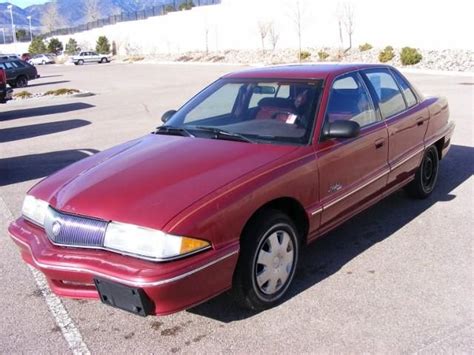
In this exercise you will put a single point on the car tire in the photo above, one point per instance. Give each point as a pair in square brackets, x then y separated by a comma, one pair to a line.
[104, 60]
[43, 62]
[21, 82]
[80, 62]
[426, 175]
[266, 267]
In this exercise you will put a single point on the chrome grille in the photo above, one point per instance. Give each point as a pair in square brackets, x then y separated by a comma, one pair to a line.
[69, 230]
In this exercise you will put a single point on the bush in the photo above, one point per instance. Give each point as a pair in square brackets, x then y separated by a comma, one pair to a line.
[410, 56]
[365, 47]
[323, 55]
[387, 54]
[169, 8]
[304, 55]
[71, 47]
[22, 35]
[55, 46]
[187, 5]
[103, 45]
[37, 46]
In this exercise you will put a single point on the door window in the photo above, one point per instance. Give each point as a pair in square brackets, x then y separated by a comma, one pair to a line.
[389, 96]
[349, 100]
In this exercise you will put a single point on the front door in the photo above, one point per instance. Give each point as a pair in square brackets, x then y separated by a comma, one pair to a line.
[352, 171]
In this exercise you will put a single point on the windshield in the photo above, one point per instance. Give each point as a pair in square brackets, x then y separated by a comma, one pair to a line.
[258, 111]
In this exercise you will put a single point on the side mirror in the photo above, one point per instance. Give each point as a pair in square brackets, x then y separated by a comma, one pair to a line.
[341, 129]
[167, 115]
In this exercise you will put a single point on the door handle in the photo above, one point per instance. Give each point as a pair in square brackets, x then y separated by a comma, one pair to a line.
[379, 143]
[420, 121]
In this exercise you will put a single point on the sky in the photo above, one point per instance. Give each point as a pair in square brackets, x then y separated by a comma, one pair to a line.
[25, 3]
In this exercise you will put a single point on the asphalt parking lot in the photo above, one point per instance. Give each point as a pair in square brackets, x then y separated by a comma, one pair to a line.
[397, 278]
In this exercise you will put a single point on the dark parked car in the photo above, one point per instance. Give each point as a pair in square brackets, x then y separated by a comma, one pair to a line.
[236, 182]
[18, 72]
[5, 91]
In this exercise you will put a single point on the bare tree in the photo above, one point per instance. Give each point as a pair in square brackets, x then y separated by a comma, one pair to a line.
[296, 14]
[51, 19]
[263, 28]
[347, 19]
[206, 38]
[274, 35]
[92, 10]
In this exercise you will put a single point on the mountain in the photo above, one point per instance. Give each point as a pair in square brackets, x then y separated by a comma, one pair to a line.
[74, 11]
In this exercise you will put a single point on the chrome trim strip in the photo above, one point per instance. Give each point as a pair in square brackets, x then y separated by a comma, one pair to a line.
[319, 210]
[332, 203]
[119, 280]
[407, 158]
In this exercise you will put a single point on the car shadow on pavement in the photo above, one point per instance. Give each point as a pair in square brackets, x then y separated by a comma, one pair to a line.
[329, 254]
[35, 166]
[51, 76]
[40, 129]
[49, 83]
[42, 111]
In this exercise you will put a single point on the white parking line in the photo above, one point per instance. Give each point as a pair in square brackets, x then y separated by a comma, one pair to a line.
[69, 330]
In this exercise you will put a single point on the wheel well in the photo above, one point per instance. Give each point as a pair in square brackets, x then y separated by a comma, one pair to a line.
[289, 206]
[439, 147]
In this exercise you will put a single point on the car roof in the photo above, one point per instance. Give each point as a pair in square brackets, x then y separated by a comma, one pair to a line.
[300, 71]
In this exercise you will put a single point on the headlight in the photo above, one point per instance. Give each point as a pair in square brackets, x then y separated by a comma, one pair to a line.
[34, 210]
[149, 243]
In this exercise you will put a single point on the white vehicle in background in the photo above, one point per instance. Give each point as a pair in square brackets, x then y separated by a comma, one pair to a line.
[41, 59]
[91, 57]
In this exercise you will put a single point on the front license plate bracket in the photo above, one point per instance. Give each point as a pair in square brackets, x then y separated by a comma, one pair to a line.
[127, 298]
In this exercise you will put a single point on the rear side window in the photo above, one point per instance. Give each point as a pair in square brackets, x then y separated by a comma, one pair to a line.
[407, 91]
[18, 64]
[349, 100]
[389, 96]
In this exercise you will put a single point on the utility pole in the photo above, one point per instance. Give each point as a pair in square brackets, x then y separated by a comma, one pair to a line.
[10, 7]
[31, 33]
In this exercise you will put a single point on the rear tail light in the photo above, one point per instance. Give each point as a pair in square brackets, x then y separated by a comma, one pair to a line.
[2, 77]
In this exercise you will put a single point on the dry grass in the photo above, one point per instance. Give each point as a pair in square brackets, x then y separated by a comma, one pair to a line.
[134, 58]
[22, 95]
[62, 91]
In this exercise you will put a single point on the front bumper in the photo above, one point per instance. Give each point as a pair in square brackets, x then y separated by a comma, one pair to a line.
[171, 286]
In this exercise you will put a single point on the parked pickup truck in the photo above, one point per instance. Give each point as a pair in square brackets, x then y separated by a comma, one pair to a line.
[91, 57]
[228, 190]
[5, 91]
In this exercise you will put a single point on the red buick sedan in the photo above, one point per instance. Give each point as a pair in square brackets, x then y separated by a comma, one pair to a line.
[226, 193]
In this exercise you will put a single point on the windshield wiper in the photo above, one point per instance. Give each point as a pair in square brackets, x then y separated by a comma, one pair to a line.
[223, 134]
[173, 131]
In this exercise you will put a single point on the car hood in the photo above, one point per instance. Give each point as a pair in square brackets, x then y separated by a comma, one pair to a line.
[149, 181]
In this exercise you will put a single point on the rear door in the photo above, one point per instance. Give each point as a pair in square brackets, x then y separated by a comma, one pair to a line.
[93, 57]
[406, 120]
[9, 70]
[352, 171]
